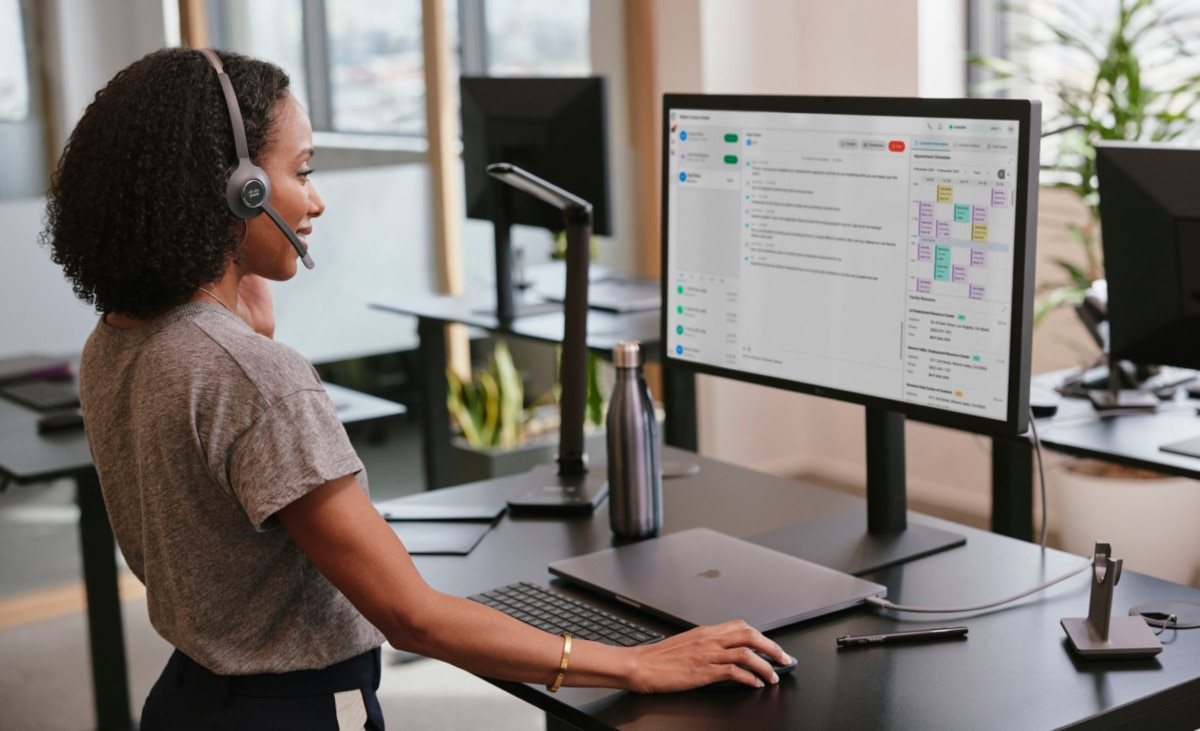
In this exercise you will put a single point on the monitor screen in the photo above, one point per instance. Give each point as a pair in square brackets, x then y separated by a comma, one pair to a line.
[1150, 221]
[874, 250]
[555, 128]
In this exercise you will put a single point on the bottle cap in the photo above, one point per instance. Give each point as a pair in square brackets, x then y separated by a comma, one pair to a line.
[627, 354]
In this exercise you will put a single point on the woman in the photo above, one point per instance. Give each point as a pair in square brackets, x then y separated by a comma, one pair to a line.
[232, 489]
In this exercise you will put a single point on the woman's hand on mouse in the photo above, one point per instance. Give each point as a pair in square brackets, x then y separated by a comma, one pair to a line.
[707, 655]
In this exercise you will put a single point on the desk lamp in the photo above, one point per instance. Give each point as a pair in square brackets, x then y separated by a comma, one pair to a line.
[572, 488]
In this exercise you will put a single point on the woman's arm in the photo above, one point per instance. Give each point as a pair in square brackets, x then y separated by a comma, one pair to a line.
[346, 538]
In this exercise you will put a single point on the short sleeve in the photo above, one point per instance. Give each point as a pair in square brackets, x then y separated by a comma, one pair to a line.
[295, 446]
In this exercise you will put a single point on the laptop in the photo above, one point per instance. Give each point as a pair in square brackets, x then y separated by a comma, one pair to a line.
[701, 577]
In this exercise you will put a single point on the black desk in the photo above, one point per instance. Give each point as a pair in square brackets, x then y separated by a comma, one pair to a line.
[28, 457]
[1014, 671]
[1131, 439]
[605, 330]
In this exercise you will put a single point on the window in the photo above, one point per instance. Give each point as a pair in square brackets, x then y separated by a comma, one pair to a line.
[358, 65]
[14, 71]
[1058, 45]
[22, 119]
[537, 38]
[376, 66]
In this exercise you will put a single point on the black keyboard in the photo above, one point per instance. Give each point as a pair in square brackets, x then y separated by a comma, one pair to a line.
[557, 613]
[42, 395]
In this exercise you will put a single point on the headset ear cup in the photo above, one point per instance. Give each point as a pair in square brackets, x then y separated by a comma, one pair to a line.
[248, 189]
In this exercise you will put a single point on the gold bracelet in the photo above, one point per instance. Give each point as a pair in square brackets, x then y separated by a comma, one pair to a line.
[562, 666]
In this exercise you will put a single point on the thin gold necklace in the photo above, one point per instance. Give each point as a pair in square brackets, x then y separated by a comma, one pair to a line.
[218, 299]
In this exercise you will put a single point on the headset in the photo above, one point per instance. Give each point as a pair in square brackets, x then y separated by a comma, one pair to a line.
[248, 191]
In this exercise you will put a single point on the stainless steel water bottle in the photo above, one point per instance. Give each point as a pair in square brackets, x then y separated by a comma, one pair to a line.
[634, 461]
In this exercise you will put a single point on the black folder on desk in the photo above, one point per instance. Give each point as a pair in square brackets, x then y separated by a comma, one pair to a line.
[450, 521]
[444, 537]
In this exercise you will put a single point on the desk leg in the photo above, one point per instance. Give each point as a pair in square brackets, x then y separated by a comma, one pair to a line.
[435, 419]
[106, 634]
[1012, 487]
[679, 402]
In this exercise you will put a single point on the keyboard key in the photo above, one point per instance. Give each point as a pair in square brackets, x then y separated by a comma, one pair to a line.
[556, 613]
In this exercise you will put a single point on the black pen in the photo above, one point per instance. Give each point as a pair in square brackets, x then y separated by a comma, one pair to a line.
[917, 635]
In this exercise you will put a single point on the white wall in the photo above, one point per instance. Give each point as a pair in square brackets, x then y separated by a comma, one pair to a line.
[38, 311]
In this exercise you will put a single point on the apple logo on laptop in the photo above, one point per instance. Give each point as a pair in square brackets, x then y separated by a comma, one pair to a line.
[710, 574]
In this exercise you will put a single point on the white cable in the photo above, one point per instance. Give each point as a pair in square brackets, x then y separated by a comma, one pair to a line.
[885, 604]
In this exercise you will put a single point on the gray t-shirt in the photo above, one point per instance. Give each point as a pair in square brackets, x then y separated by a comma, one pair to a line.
[201, 430]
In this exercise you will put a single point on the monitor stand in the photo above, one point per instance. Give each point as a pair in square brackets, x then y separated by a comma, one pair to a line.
[860, 544]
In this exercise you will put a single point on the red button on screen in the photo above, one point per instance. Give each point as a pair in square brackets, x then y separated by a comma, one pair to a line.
[896, 146]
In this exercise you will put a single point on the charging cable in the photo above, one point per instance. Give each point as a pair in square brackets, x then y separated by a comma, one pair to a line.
[1037, 443]
[885, 604]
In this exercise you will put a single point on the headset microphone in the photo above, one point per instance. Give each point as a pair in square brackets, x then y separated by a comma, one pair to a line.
[248, 191]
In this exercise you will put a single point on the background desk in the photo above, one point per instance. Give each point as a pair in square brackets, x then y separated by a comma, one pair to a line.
[605, 330]
[1131, 439]
[1014, 671]
[28, 457]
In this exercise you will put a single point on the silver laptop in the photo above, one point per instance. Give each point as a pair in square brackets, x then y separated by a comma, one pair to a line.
[699, 577]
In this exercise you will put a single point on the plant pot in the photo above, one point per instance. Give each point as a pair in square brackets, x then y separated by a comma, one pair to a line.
[1149, 519]
[473, 464]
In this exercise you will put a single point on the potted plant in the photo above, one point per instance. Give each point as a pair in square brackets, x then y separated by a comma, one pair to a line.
[499, 434]
[1132, 76]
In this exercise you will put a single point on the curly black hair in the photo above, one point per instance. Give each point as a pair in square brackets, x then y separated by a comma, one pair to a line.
[136, 212]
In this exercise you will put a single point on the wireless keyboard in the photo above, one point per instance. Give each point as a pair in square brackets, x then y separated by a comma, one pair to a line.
[557, 613]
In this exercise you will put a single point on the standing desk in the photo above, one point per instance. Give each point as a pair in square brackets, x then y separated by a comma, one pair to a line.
[1014, 671]
[28, 457]
[1132, 439]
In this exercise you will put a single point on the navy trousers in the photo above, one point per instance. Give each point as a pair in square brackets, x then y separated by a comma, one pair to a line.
[188, 696]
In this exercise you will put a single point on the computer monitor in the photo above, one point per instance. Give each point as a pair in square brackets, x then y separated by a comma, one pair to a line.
[1150, 223]
[1150, 232]
[872, 250]
[555, 128]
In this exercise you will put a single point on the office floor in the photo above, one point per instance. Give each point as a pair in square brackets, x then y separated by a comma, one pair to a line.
[45, 676]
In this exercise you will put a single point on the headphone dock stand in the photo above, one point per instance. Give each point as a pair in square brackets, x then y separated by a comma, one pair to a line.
[1101, 635]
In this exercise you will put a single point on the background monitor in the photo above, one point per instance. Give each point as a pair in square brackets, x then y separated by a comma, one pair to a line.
[1150, 222]
[873, 250]
[554, 128]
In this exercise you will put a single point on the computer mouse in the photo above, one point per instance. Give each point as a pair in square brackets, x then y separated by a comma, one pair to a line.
[723, 685]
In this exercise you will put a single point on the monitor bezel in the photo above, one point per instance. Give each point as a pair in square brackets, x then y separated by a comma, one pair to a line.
[1143, 252]
[1027, 113]
[548, 103]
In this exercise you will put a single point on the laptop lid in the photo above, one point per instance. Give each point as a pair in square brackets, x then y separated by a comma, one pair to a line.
[699, 577]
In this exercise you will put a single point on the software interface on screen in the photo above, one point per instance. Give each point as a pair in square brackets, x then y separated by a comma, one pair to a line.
[872, 255]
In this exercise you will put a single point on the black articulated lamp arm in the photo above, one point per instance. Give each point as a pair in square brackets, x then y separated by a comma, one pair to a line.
[577, 216]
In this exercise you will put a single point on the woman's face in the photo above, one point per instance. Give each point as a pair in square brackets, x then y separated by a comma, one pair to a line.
[286, 159]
